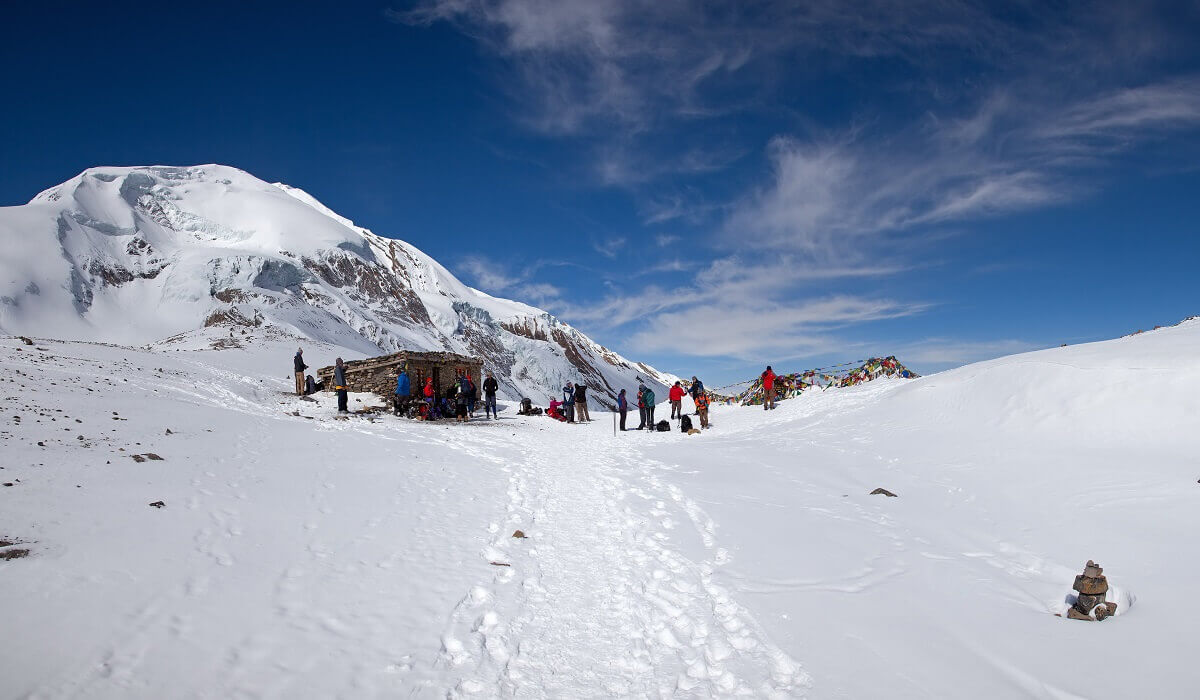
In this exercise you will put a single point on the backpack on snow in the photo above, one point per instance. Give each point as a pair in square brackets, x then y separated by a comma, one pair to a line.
[663, 426]
[685, 424]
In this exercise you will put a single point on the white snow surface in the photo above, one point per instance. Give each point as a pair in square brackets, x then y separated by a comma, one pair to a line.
[139, 255]
[298, 555]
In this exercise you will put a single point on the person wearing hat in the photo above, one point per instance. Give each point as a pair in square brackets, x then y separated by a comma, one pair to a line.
[768, 383]
[696, 388]
[676, 396]
[339, 385]
[299, 366]
[430, 399]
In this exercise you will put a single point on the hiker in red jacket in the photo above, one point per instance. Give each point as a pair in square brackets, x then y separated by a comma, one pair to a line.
[768, 382]
[430, 400]
[676, 395]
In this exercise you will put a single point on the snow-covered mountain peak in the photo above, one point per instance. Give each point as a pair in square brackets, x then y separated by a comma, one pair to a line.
[140, 254]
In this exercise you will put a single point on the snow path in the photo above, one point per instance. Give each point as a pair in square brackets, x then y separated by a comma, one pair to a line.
[597, 596]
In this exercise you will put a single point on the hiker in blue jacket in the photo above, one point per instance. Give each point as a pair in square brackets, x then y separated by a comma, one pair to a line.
[569, 401]
[403, 390]
[623, 407]
[648, 399]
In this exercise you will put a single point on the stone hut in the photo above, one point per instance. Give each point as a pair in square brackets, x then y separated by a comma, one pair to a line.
[377, 375]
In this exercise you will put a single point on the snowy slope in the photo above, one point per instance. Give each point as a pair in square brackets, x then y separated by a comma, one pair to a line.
[299, 555]
[139, 255]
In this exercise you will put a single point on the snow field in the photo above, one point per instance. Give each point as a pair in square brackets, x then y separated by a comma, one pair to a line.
[340, 557]
[298, 554]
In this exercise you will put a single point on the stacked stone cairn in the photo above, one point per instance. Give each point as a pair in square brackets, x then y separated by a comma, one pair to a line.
[1090, 603]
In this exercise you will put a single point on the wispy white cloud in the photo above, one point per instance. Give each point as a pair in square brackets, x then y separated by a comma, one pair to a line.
[825, 197]
[751, 331]
[487, 274]
[610, 247]
[732, 287]
[497, 279]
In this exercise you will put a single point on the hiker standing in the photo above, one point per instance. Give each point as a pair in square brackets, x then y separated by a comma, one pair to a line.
[702, 408]
[676, 397]
[696, 388]
[581, 409]
[472, 393]
[403, 391]
[462, 398]
[768, 382]
[641, 400]
[339, 385]
[489, 396]
[622, 407]
[430, 399]
[569, 401]
[648, 399]
[298, 362]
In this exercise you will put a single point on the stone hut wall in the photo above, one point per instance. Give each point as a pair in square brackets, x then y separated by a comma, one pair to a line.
[377, 375]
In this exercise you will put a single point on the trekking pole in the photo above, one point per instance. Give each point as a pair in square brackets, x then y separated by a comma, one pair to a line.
[614, 423]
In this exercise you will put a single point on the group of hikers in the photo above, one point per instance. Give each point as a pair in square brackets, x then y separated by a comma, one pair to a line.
[646, 401]
[461, 398]
[306, 385]
[573, 408]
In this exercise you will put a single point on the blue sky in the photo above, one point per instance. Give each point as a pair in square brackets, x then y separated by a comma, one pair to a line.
[709, 187]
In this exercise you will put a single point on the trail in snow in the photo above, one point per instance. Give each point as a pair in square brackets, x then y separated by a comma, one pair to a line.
[599, 596]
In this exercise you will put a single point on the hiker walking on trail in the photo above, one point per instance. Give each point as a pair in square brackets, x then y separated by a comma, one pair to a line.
[648, 399]
[622, 407]
[339, 385]
[489, 396]
[299, 365]
[569, 401]
[403, 391]
[768, 383]
[641, 401]
[676, 397]
[581, 409]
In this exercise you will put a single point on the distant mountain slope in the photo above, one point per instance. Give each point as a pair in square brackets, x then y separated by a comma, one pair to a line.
[137, 255]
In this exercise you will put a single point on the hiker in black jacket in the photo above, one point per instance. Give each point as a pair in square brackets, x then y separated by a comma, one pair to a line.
[581, 409]
[298, 362]
[489, 396]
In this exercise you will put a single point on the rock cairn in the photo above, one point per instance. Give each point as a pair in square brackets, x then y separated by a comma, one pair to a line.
[1092, 586]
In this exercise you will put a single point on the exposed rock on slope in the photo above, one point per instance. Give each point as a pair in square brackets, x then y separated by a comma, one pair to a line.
[139, 255]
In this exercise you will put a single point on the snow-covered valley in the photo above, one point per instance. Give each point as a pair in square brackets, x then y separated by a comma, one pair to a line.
[297, 555]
